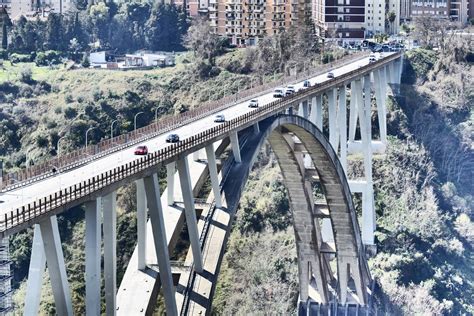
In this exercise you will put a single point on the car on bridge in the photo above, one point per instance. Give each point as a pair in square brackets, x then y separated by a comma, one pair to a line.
[372, 58]
[141, 150]
[219, 118]
[290, 90]
[307, 84]
[172, 138]
[330, 75]
[278, 93]
[254, 103]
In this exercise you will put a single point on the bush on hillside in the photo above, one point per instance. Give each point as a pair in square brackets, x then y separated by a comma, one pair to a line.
[47, 58]
[20, 58]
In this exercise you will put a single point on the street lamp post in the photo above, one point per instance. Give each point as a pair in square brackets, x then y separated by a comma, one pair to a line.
[112, 129]
[87, 132]
[156, 114]
[58, 143]
[135, 120]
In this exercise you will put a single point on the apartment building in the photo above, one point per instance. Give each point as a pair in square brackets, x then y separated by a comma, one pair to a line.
[245, 21]
[454, 10]
[33, 8]
[341, 19]
[6, 4]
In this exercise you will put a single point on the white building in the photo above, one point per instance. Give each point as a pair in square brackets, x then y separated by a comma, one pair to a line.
[30, 8]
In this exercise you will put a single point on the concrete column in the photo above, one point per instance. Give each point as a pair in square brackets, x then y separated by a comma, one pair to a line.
[368, 223]
[212, 165]
[93, 256]
[306, 108]
[141, 224]
[152, 189]
[343, 274]
[35, 274]
[316, 116]
[290, 110]
[234, 142]
[190, 212]
[170, 172]
[109, 203]
[332, 111]
[256, 128]
[303, 273]
[56, 266]
[342, 126]
[326, 231]
[353, 106]
[380, 101]
[300, 109]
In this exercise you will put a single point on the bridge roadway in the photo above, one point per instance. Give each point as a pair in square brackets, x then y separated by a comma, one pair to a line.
[24, 195]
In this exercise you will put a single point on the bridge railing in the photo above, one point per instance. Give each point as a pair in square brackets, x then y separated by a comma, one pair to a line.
[27, 213]
[84, 155]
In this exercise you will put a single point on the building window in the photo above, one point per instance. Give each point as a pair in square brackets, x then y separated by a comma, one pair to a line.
[347, 35]
[340, 9]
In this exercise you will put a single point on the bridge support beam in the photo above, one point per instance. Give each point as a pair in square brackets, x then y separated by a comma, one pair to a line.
[332, 112]
[353, 111]
[234, 141]
[212, 165]
[379, 83]
[256, 128]
[152, 189]
[316, 115]
[342, 126]
[93, 217]
[141, 224]
[35, 274]
[170, 173]
[368, 214]
[109, 205]
[190, 212]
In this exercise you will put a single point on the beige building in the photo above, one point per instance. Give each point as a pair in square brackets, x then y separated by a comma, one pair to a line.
[245, 21]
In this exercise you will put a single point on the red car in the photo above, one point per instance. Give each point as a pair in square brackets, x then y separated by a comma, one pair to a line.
[141, 150]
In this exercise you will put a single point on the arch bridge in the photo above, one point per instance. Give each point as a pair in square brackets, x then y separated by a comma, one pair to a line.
[326, 230]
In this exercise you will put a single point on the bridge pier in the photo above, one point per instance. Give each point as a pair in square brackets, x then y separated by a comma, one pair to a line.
[316, 115]
[379, 84]
[93, 256]
[256, 128]
[190, 212]
[109, 205]
[47, 247]
[152, 189]
[342, 124]
[170, 174]
[211, 164]
[234, 141]
[353, 110]
[141, 224]
[332, 114]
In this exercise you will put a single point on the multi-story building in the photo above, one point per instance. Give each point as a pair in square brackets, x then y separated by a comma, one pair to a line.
[7, 5]
[33, 8]
[245, 21]
[341, 19]
[454, 10]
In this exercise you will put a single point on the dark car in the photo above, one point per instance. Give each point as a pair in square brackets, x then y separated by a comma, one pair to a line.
[141, 150]
[330, 75]
[306, 84]
[172, 138]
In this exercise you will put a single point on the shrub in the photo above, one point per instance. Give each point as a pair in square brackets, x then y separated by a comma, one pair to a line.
[68, 98]
[85, 61]
[47, 58]
[26, 75]
[41, 141]
[70, 113]
[25, 91]
[20, 58]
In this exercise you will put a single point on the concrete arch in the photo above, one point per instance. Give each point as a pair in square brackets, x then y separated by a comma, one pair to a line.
[316, 279]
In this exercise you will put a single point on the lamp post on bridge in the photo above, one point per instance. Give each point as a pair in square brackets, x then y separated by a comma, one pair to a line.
[135, 120]
[156, 114]
[112, 128]
[87, 132]
[58, 147]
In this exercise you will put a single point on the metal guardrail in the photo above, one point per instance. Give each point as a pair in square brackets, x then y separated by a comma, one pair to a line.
[26, 214]
[84, 155]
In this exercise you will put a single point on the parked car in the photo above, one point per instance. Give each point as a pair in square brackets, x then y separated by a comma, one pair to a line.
[385, 48]
[278, 93]
[172, 138]
[306, 84]
[372, 58]
[330, 74]
[141, 150]
[289, 90]
[379, 56]
[220, 118]
[254, 103]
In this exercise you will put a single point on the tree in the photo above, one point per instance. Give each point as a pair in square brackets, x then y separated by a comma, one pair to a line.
[54, 32]
[205, 44]
[85, 61]
[166, 27]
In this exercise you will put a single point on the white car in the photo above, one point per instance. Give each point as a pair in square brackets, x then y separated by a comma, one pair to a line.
[372, 58]
[290, 90]
[253, 103]
[278, 93]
